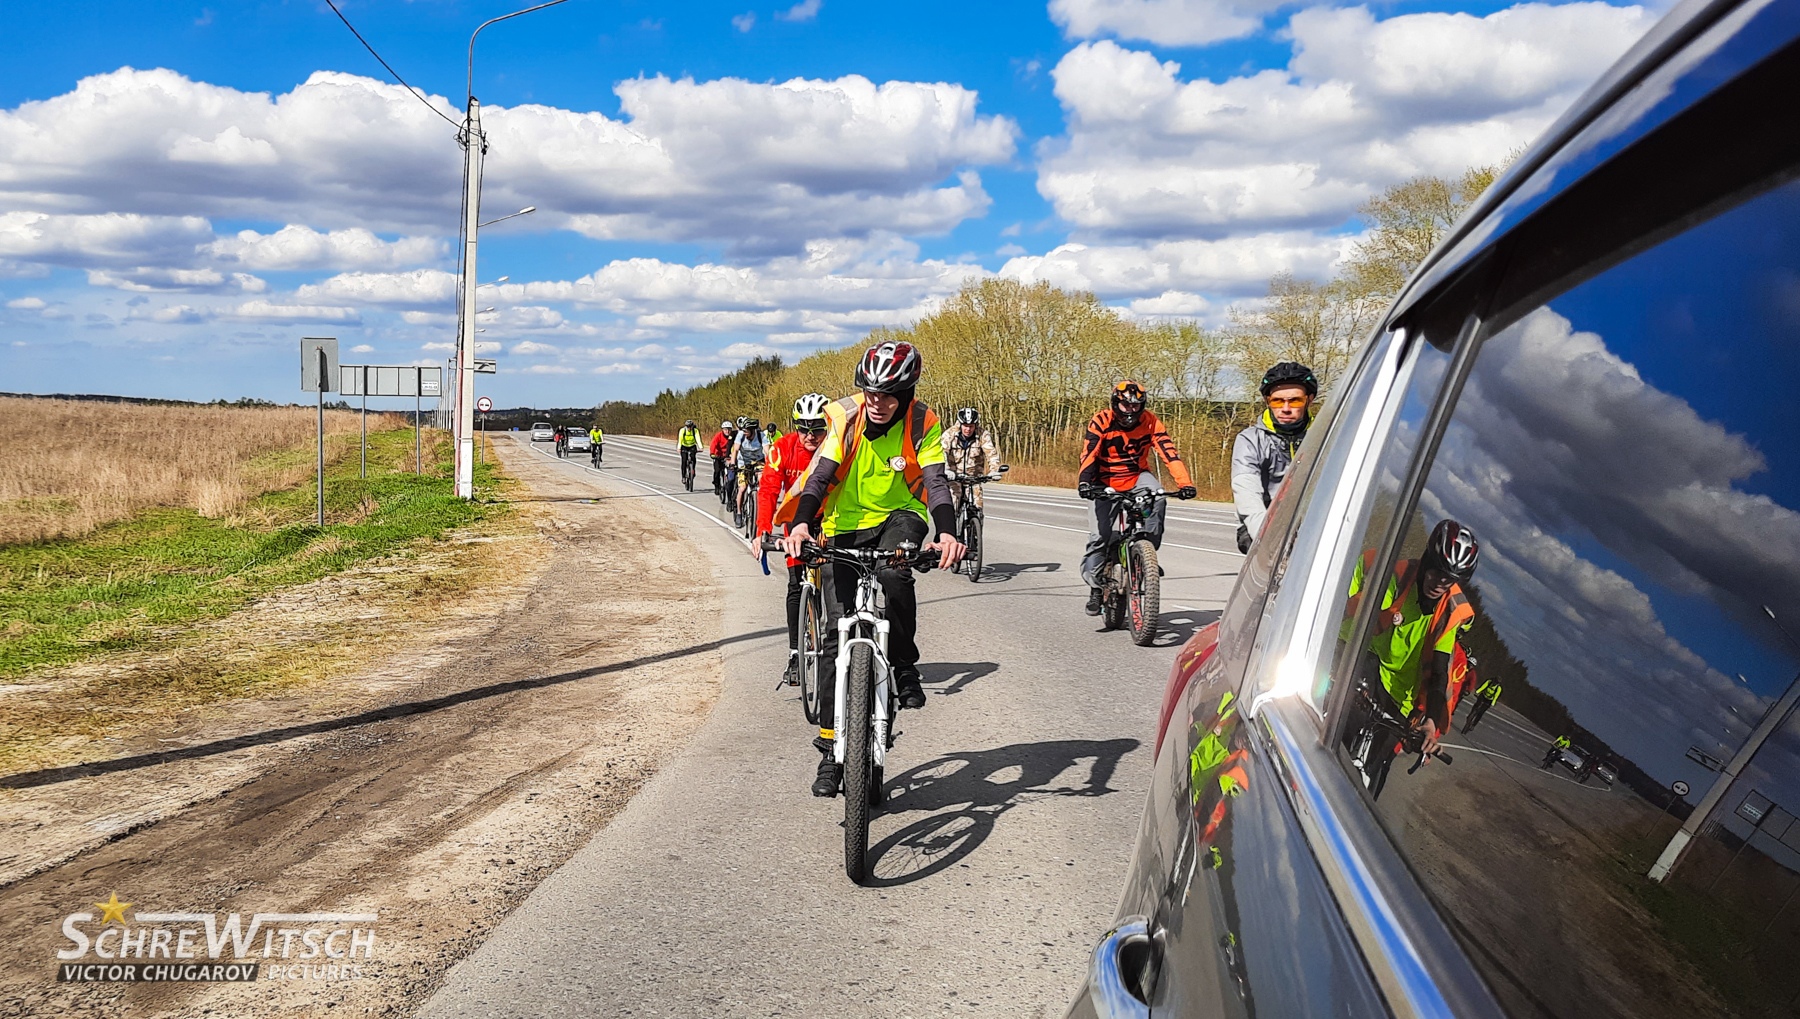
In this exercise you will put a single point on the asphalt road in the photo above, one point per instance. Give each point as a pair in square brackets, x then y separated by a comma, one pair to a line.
[1014, 797]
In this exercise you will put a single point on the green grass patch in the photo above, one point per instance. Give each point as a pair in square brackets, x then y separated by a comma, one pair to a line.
[1727, 948]
[116, 589]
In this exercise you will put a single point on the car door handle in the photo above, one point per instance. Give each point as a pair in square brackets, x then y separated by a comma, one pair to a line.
[1113, 994]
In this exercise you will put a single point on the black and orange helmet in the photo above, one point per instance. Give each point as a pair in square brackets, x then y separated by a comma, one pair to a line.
[1128, 398]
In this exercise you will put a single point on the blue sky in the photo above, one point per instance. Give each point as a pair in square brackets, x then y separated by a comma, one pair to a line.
[193, 186]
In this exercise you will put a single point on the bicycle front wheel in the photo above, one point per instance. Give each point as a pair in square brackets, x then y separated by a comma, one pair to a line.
[972, 532]
[858, 762]
[812, 640]
[1144, 591]
[750, 514]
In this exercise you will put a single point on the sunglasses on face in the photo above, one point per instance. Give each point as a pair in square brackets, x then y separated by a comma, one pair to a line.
[810, 429]
[1292, 401]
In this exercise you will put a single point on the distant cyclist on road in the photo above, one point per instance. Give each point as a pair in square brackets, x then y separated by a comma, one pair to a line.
[597, 439]
[746, 455]
[787, 462]
[1486, 696]
[1407, 664]
[1263, 452]
[1116, 455]
[731, 458]
[969, 450]
[688, 441]
[877, 481]
[720, 448]
[771, 432]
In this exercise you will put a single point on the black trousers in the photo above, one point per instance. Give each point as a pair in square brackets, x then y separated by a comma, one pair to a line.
[839, 584]
[795, 575]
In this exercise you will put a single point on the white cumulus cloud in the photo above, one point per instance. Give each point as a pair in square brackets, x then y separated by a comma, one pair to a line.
[1163, 22]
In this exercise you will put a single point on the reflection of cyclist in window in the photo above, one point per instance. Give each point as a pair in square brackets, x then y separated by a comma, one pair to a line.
[1407, 666]
[1486, 696]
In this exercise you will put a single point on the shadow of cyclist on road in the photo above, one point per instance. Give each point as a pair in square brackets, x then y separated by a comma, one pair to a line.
[956, 674]
[965, 793]
[999, 573]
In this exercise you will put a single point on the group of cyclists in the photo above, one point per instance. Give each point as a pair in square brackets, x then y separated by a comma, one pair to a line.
[873, 470]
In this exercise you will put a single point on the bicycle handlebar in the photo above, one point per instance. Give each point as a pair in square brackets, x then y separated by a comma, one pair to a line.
[812, 554]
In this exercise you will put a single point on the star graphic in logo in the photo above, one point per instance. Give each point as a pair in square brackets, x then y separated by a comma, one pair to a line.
[112, 909]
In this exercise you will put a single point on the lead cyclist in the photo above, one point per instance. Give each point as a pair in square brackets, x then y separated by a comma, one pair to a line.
[877, 481]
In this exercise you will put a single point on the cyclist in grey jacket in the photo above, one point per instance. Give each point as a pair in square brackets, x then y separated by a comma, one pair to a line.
[1263, 451]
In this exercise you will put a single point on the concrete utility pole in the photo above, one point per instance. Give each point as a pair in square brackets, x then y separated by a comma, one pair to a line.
[474, 146]
[1711, 802]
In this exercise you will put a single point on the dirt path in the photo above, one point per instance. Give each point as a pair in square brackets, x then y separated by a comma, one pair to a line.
[434, 787]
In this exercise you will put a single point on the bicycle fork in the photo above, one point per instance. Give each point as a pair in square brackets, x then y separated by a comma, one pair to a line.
[878, 650]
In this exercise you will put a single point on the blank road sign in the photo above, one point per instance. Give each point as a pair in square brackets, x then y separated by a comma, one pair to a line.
[310, 382]
[391, 380]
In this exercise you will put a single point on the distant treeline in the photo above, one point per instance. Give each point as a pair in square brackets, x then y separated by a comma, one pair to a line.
[1037, 361]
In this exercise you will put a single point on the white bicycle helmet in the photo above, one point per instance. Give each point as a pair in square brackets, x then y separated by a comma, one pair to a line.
[810, 409]
[726, 426]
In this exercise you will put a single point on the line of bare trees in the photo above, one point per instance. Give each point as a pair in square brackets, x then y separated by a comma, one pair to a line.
[1037, 361]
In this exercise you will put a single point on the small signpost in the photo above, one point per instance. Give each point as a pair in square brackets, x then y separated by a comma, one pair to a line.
[486, 366]
[1681, 788]
[483, 405]
[319, 374]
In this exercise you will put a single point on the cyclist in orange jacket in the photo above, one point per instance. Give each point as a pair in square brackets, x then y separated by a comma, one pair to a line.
[1116, 455]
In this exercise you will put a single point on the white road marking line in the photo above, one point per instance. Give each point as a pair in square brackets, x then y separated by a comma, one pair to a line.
[1083, 530]
[729, 529]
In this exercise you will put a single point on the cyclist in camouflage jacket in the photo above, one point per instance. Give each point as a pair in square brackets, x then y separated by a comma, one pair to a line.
[969, 450]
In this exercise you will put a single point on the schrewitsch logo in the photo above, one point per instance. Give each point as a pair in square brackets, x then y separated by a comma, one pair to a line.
[200, 947]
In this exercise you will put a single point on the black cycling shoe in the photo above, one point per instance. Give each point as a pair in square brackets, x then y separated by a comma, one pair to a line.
[831, 775]
[906, 685]
[1093, 602]
[791, 677]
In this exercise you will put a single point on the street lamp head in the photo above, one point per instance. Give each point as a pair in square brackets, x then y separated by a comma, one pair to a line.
[1767, 611]
[526, 211]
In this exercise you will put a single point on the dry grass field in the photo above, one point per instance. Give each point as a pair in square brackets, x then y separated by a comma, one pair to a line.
[71, 466]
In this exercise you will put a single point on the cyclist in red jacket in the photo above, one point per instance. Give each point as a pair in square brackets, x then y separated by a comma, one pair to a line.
[783, 468]
[720, 448]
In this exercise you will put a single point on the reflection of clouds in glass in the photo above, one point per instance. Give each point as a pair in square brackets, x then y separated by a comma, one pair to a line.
[1558, 444]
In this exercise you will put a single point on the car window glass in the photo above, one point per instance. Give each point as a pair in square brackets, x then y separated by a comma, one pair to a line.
[1426, 365]
[1624, 455]
[1360, 407]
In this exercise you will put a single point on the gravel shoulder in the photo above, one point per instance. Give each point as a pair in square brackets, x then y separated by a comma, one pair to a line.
[430, 772]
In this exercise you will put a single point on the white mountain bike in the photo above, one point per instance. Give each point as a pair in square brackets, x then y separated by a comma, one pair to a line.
[866, 700]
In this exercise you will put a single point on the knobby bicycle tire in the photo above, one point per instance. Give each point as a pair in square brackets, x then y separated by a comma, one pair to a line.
[973, 556]
[858, 717]
[1144, 592]
[812, 639]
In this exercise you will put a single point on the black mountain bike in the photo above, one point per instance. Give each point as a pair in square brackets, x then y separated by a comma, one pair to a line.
[969, 521]
[1382, 737]
[1130, 578]
[688, 458]
[866, 699]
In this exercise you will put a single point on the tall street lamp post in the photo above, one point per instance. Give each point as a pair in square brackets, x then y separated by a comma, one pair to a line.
[474, 144]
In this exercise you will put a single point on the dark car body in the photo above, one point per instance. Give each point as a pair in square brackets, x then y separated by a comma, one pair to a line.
[1595, 372]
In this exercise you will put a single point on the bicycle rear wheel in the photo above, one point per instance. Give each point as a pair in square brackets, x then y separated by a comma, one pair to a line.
[858, 762]
[1144, 591]
[972, 530]
[750, 514]
[812, 640]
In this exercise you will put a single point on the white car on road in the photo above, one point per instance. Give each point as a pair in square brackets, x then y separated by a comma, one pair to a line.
[543, 431]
